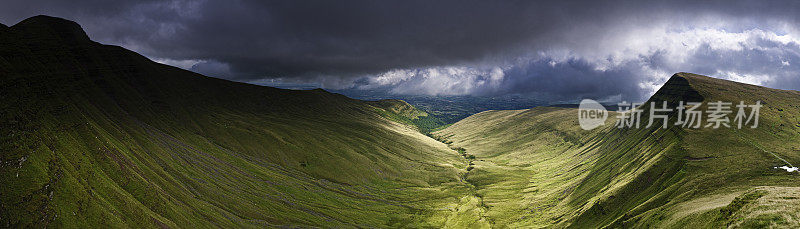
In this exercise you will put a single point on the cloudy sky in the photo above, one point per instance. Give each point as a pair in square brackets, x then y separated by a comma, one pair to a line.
[608, 50]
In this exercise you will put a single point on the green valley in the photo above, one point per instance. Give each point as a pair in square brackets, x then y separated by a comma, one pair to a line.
[94, 135]
[538, 168]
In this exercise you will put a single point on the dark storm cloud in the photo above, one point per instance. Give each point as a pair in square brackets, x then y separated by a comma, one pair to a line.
[338, 43]
[290, 38]
[577, 76]
[295, 38]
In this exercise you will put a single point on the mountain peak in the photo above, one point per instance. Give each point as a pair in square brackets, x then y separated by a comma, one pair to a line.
[688, 75]
[677, 88]
[42, 25]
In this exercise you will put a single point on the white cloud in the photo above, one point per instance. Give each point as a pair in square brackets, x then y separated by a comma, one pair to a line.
[451, 80]
[184, 64]
[756, 79]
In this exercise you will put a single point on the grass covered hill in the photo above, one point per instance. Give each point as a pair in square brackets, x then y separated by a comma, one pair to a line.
[401, 111]
[538, 168]
[95, 135]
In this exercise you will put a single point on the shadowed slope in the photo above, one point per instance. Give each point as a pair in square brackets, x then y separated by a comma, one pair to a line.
[96, 135]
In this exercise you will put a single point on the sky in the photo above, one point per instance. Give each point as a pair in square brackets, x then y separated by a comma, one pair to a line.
[559, 50]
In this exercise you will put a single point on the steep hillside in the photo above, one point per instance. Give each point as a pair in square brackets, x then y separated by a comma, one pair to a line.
[538, 168]
[93, 135]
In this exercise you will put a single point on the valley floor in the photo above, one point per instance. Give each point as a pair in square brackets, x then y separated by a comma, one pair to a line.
[470, 211]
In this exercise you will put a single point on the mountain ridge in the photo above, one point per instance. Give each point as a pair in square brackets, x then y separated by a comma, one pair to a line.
[97, 135]
[645, 177]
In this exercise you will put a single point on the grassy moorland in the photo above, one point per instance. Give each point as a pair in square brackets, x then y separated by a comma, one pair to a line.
[98, 136]
[93, 135]
[538, 168]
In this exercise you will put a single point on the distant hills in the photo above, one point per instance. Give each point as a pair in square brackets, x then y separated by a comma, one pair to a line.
[450, 109]
[95, 135]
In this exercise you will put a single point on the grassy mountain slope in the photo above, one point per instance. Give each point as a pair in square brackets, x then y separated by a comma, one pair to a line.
[537, 168]
[95, 135]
